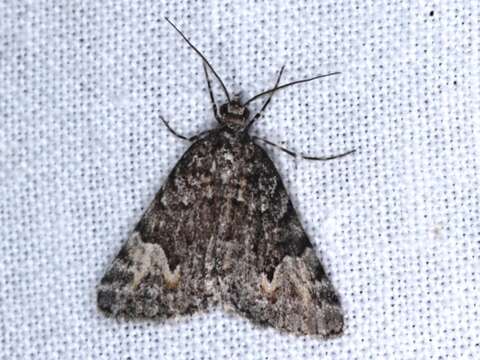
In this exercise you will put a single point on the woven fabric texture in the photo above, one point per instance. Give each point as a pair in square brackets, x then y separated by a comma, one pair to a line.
[82, 153]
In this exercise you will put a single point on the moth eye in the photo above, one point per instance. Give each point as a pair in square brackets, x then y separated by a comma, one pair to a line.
[223, 109]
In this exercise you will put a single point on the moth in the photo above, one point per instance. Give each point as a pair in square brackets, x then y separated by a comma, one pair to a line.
[222, 231]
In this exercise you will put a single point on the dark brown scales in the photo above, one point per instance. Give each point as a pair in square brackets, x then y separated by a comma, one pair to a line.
[223, 231]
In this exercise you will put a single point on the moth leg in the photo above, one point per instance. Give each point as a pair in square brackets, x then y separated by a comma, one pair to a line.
[191, 138]
[212, 99]
[260, 113]
[198, 136]
[324, 158]
[289, 152]
[306, 157]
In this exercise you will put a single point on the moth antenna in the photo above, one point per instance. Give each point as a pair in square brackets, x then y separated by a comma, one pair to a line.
[257, 115]
[288, 84]
[212, 99]
[203, 58]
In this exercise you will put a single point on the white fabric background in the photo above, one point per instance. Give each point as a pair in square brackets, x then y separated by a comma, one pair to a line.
[82, 152]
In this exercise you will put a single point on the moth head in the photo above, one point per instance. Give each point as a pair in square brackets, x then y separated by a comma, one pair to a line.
[234, 115]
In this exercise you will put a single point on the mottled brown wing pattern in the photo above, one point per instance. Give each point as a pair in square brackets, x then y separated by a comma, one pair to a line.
[161, 271]
[222, 230]
[269, 271]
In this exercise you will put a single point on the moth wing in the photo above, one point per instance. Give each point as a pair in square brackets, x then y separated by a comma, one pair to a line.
[160, 271]
[270, 272]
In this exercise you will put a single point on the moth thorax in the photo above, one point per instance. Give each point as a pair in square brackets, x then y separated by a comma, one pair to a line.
[234, 115]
